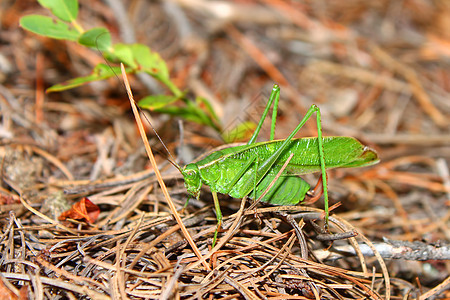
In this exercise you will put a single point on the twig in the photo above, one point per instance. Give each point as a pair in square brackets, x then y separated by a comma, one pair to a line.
[337, 236]
[417, 251]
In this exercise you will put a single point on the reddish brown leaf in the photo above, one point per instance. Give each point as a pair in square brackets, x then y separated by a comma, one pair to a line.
[82, 210]
[6, 293]
[23, 293]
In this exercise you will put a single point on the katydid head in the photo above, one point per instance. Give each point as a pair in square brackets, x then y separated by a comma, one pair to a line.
[192, 179]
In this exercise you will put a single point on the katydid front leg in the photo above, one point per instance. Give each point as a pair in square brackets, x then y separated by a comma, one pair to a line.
[218, 216]
[216, 200]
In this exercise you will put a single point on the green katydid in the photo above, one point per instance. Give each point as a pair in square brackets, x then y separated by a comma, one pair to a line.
[248, 170]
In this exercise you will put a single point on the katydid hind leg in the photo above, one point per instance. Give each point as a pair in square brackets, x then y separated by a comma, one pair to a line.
[274, 114]
[274, 95]
[322, 165]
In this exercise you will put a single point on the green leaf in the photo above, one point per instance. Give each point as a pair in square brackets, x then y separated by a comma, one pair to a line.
[100, 72]
[188, 114]
[157, 101]
[204, 103]
[140, 57]
[205, 118]
[98, 38]
[66, 10]
[150, 61]
[124, 53]
[49, 27]
[182, 112]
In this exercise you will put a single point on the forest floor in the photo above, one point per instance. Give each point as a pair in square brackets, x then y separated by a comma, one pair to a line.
[83, 215]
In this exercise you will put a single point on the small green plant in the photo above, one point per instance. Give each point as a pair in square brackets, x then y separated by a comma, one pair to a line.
[136, 57]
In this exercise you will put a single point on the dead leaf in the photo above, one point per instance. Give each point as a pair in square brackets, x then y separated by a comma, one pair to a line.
[6, 293]
[82, 210]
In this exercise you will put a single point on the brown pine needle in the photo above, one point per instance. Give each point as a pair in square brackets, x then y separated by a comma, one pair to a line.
[157, 173]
